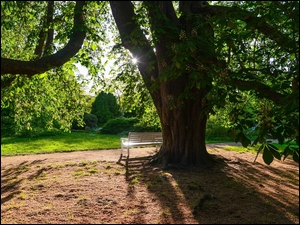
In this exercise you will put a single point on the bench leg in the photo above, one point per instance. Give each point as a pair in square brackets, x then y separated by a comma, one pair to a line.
[121, 156]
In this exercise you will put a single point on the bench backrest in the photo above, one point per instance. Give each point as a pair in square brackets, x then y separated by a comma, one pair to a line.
[145, 137]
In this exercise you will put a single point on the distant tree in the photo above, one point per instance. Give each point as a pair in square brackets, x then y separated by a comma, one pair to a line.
[105, 107]
[43, 103]
[50, 98]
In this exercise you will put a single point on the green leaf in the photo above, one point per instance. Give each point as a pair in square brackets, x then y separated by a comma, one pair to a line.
[93, 46]
[245, 141]
[274, 151]
[267, 155]
[43, 75]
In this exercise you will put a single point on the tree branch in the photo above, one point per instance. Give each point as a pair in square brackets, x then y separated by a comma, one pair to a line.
[256, 23]
[263, 89]
[40, 46]
[30, 68]
[134, 40]
[167, 9]
[49, 43]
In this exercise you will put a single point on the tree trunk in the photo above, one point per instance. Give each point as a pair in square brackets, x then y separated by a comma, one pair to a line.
[183, 125]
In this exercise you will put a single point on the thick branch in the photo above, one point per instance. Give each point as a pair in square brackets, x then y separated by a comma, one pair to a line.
[167, 9]
[262, 89]
[134, 40]
[42, 35]
[49, 43]
[257, 23]
[30, 68]
[40, 46]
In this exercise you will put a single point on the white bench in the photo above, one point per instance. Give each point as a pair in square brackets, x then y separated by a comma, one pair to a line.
[136, 139]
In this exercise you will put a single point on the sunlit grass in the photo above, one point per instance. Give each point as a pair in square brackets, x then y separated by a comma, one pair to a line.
[79, 141]
[76, 141]
[240, 149]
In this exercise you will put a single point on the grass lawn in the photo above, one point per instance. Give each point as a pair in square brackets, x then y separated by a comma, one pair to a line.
[75, 141]
[79, 141]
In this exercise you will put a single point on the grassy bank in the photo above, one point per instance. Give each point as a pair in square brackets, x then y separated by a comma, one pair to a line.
[75, 141]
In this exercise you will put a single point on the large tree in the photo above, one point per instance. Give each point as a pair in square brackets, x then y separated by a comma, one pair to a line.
[193, 56]
[182, 62]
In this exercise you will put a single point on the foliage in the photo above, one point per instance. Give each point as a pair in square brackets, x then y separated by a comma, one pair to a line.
[119, 125]
[105, 107]
[259, 57]
[44, 102]
[47, 101]
[7, 122]
[214, 129]
[90, 120]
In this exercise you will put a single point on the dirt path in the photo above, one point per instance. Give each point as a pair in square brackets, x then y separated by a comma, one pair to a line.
[107, 155]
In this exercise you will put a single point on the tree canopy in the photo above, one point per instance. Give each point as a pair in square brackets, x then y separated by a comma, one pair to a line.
[193, 58]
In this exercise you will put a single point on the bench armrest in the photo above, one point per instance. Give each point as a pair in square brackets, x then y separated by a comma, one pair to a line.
[123, 139]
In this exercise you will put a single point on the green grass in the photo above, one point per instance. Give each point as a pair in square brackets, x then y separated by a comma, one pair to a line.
[253, 149]
[76, 141]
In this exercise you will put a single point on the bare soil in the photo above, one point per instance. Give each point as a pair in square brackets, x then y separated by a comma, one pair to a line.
[89, 187]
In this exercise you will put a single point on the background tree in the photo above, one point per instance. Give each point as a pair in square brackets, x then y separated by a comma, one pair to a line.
[105, 107]
[194, 57]
[45, 102]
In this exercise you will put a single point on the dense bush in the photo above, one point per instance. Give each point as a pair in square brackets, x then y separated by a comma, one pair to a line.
[119, 125]
[90, 120]
[215, 130]
[7, 122]
[105, 107]
[39, 132]
[142, 127]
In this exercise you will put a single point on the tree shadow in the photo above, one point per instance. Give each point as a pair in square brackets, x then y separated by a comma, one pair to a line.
[232, 191]
[10, 178]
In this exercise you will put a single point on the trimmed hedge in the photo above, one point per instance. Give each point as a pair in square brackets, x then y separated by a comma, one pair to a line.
[119, 125]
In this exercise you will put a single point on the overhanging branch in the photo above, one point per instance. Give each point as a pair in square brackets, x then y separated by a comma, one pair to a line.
[258, 87]
[30, 68]
[257, 23]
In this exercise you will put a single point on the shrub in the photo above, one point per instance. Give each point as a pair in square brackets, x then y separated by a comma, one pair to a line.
[90, 120]
[119, 125]
[105, 107]
[141, 127]
[39, 132]
[215, 130]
